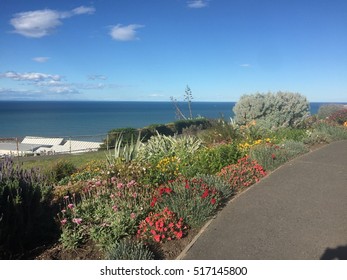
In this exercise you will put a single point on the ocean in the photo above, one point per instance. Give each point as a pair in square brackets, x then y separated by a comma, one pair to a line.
[75, 118]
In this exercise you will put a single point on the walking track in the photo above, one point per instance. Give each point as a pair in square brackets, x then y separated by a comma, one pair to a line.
[298, 212]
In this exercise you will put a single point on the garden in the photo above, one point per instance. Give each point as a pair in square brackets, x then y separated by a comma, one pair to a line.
[149, 196]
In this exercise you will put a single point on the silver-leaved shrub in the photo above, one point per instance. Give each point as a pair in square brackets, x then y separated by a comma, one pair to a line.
[272, 110]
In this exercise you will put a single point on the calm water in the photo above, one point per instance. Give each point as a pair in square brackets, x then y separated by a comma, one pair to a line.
[47, 118]
[19, 119]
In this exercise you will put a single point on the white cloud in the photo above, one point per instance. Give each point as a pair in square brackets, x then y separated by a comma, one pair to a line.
[125, 33]
[97, 77]
[36, 24]
[41, 59]
[43, 94]
[83, 10]
[196, 4]
[245, 65]
[30, 76]
[40, 23]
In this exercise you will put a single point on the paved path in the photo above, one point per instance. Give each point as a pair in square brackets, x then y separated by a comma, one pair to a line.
[298, 212]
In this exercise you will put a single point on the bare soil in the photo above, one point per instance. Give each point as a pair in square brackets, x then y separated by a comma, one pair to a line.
[163, 251]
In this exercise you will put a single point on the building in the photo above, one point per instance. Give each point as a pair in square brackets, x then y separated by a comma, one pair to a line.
[32, 145]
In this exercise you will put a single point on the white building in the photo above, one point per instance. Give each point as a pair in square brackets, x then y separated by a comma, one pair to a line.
[31, 145]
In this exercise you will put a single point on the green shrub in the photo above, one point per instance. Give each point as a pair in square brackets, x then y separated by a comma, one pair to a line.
[325, 111]
[161, 146]
[210, 160]
[128, 135]
[217, 183]
[26, 217]
[127, 249]
[191, 199]
[155, 129]
[220, 131]
[62, 169]
[126, 151]
[329, 131]
[108, 211]
[272, 156]
[317, 137]
[283, 109]
[295, 134]
[182, 124]
[339, 117]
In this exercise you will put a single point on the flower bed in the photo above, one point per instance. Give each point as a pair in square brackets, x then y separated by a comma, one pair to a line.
[160, 198]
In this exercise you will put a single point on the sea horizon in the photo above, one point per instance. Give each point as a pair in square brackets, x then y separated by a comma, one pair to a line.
[48, 118]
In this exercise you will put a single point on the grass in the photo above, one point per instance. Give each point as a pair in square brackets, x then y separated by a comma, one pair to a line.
[45, 163]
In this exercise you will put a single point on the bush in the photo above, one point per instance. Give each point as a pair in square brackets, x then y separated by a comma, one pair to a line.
[128, 135]
[217, 183]
[167, 146]
[124, 151]
[243, 174]
[271, 156]
[183, 124]
[107, 212]
[326, 133]
[295, 134]
[63, 169]
[325, 111]
[127, 249]
[339, 117]
[219, 132]
[272, 110]
[210, 160]
[26, 217]
[191, 199]
[162, 226]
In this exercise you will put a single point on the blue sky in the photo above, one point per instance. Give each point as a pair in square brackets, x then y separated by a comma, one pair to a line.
[150, 50]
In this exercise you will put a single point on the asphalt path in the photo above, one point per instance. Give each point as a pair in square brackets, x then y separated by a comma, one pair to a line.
[298, 212]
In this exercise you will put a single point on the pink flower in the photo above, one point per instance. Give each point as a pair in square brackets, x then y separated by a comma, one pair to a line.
[112, 195]
[63, 222]
[132, 215]
[115, 208]
[66, 197]
[134, 195]
[71, 206]
[98, 183]
[131, 183]
[77, 221]
[120, 185]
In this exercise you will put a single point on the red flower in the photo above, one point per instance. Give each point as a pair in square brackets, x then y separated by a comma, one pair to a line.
[213, 201]
[273, 156]
[156, 238]
[187, 185]
[205, 194]
[179, 234]
[154, 201]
